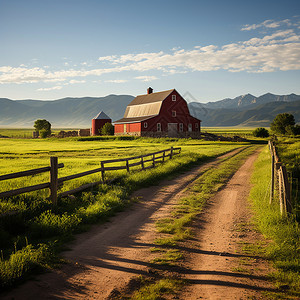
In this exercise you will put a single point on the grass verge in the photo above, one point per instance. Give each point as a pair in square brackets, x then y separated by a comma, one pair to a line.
[284, 250]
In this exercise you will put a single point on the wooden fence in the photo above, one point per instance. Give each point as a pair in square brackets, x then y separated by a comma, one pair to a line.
[146, 161]
[279, 181]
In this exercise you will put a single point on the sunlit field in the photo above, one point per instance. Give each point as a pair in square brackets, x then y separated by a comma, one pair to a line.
[80, 155]
[23, 133]
[225, 131]
[30, 223]
[245, 132]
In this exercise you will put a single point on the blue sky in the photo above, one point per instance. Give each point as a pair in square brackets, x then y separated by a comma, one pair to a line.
[50, 49]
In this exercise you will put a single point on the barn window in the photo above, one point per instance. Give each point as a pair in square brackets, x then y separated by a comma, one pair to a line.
[180, 127]
[190, 127]
[173, 97]
[196, 126]
[173, 113]
[125, 128]
[158, 127]
[145, 125]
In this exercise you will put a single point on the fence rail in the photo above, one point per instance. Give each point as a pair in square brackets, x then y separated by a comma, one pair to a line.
[54, 183]
[280, 181]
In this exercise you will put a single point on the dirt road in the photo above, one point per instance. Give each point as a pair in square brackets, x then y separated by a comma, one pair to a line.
[216, 266]
[103, 260]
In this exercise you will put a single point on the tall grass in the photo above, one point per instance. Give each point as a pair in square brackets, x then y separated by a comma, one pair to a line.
[23, 261]
[284, 232]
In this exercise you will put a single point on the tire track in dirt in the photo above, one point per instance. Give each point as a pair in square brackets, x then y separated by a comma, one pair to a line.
[216, 266]
[103, 260]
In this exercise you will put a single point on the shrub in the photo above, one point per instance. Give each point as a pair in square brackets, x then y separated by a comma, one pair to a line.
[43, 127]
[44, 133]
[107, 129]
[261, 132]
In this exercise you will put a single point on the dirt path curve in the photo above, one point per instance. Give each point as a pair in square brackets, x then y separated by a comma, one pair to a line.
[217, 267]
[103, 260]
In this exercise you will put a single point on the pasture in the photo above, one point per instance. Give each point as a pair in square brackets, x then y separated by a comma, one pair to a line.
[31, 228]
[225, 131]
[79, 155]
[244, 132]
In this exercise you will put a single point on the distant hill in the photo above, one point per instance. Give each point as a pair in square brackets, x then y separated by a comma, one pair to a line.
[245, 110]
[67, 112]
[253, 116]
[249, 101]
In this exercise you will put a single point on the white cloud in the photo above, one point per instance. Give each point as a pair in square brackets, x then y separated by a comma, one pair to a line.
[73, 81]
[146, 78]
[21, 74]
[277, 50]
[107, 58]
[116, 80]
[267, 24]
[50, 89]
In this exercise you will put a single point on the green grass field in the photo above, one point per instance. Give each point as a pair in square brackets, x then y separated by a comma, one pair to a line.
[245, 132]
[80, 155]
[225, 131]
[36, 229]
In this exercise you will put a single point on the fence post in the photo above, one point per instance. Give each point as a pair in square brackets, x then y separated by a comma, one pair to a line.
[53, 179]
[153, 160]
[142, 162]
[287, 191]
[171, 153]
[280, 191]
[102, 170]
[272, 180]
[164, 153]
[127, 165]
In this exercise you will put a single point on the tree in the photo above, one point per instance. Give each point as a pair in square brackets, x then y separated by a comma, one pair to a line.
[292, 130]
[107, 129]
[43, 127]
[281, 122]
[261, 132]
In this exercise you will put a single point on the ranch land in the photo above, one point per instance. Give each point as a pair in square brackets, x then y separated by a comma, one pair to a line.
[33, 231]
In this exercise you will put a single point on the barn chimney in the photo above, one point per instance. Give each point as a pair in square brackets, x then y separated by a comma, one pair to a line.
[149, 90]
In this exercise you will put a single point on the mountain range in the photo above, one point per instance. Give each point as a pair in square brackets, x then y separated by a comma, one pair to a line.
[62, 113]
[245, 110]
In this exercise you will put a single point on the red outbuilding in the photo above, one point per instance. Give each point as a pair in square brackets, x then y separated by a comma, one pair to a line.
[158, 114]
[98, 122]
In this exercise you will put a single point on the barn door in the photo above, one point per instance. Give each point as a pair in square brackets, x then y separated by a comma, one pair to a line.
[172, 129]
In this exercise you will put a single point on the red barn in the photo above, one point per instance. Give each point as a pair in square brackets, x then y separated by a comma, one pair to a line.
[158, 114]
[98, 122]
